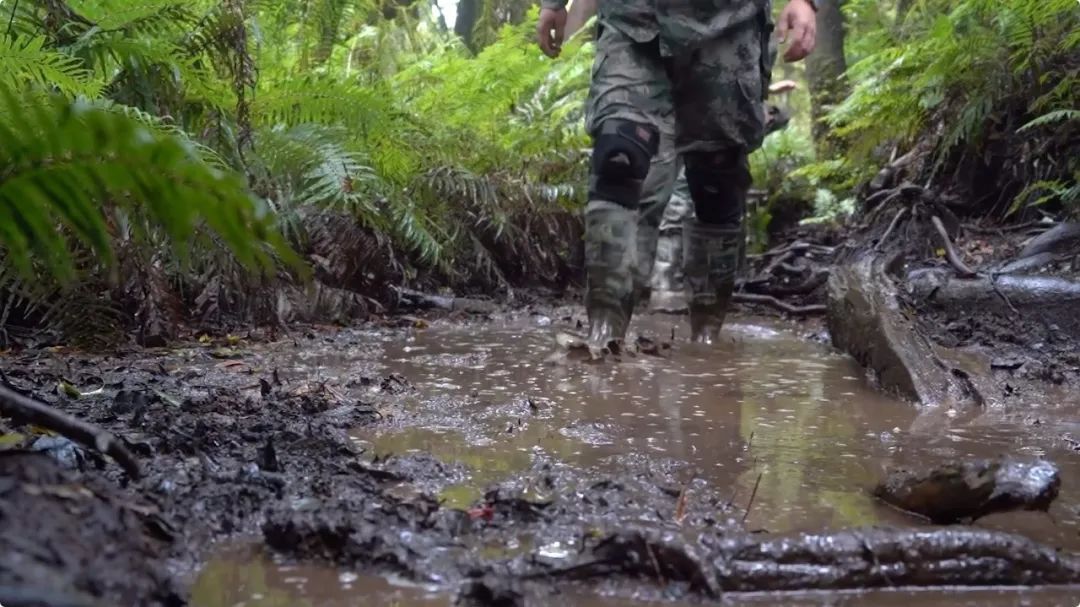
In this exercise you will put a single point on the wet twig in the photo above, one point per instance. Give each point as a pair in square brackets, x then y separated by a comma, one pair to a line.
[753, 494]
[950, 251]
[769, 300]
[28, 410]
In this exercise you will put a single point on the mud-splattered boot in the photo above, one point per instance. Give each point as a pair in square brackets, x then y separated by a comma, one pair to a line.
[668, 293]
[610, 265]
[711, 257]
[647, 236]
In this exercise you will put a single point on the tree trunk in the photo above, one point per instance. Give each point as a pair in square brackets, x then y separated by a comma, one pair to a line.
[825, 69]
[468, 11]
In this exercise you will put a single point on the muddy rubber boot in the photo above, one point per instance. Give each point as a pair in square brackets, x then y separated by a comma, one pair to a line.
[668, 292]
[610, 265]
[711, 259]
[646, 254]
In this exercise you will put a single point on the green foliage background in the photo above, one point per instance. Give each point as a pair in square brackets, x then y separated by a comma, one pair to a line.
[201, 160]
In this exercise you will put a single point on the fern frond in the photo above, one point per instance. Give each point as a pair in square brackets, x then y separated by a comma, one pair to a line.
[63, 162]
[26, 60]
[1050, 118]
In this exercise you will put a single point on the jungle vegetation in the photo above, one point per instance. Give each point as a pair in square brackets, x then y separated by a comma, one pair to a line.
[168, 163]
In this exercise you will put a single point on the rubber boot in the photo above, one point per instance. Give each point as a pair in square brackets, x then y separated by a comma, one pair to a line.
[668, 294]
[646, 255]
[610, 265]
[710, 262]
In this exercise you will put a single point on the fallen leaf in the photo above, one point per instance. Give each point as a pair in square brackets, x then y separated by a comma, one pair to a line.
[67, 389]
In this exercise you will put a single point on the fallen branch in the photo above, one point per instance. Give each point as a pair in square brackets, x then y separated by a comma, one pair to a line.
[769, 300]
[30, 411]
[950, 251]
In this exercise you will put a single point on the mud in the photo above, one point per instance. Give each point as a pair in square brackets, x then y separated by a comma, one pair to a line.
[460, 457]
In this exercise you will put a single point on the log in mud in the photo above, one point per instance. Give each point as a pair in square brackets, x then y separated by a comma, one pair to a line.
[944, 334]
[866, 558]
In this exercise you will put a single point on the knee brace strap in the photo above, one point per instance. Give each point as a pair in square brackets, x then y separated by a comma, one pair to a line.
[718, 183]
[620, 162]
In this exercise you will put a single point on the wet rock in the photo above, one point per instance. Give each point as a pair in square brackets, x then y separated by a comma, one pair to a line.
[63, 450]
[968, 490]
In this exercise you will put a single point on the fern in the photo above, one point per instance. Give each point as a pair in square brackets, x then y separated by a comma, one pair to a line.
[26, 60]
[63, 161]
[1050, 118]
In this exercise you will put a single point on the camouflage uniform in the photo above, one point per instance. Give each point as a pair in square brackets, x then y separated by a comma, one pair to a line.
[665, 208]
[703, 66]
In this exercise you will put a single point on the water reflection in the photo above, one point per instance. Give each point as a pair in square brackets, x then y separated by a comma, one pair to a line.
[763, 403]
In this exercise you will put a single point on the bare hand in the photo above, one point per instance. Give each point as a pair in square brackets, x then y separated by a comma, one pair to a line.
[799, 20]
[550, 30]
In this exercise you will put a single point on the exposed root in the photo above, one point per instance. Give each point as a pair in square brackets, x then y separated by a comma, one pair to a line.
[861, 558]
[27, 410]
[962, 270]
[892, 226]
[769, 300]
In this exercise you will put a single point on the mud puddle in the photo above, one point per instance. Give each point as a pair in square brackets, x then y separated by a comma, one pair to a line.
[766, 403]
[791, 433]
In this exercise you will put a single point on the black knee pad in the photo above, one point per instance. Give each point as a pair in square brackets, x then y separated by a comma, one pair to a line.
[718, 184]
[622, 151]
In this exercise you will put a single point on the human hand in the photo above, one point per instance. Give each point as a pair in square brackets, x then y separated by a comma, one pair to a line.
[798, 19]
[550, 30]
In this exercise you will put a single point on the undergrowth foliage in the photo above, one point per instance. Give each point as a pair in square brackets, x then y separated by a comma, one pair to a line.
[166, 161]
[216, 161]
[993, 86]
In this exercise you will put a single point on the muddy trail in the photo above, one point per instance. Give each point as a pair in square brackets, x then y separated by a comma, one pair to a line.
[436, 462]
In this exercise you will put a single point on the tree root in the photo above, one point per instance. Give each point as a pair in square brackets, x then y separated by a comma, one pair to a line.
[769, 300]
[962, 270]
[28, 410]
[892, 226]
[861, 558]
[880, 557]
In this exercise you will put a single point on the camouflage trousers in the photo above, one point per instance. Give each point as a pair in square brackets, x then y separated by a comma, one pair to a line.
[722, 111]
[708, 100]
[666, 207]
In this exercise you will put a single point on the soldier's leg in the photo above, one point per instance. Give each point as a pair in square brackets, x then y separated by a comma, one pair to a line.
[627, 79]
[720, 118]
[666, 281]
[656, 193]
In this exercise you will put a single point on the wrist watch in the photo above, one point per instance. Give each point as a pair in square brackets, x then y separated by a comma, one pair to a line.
[814, 4]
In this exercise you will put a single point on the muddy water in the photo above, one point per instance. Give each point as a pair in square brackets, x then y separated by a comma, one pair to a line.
[766, 414]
